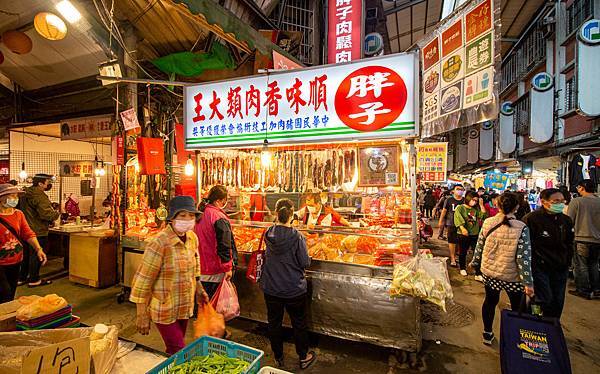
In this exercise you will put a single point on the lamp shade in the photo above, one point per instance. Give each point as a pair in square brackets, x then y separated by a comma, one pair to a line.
[18, 42]
[50, 26]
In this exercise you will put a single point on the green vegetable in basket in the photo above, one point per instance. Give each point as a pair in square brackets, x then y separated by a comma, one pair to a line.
[211, 364]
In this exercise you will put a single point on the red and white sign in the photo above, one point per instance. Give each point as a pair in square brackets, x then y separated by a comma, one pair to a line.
[280, 62]
[118, 150]
[367, 99]
[431, 54]
[344, 42]
[452, 38]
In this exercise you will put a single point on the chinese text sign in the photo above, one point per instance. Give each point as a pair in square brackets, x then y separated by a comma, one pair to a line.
[344, 40]
[431, 161]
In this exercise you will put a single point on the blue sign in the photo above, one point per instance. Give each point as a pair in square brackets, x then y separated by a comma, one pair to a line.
[496, 181]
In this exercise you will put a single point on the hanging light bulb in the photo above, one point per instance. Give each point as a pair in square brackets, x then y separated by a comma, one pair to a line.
[23, 173]
[265, 155]
[189, 167]
[97, 168]
[102, 171]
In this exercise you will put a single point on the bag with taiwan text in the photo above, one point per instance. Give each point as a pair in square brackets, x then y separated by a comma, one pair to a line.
[532, 344]
[255, 264]
[225, 301]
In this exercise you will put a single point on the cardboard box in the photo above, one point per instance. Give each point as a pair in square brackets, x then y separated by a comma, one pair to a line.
[8, 316]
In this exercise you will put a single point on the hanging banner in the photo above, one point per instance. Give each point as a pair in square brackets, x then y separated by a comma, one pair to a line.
[86, 128]
[496, 181]
[432, 161]
[473, 146]
[486, 140]
[368, 99]
[118, 150]
[508, 138]
[541, 112]
[130, 120]
[344, 41]
[460, 61]
[463, 143]
[588, 80]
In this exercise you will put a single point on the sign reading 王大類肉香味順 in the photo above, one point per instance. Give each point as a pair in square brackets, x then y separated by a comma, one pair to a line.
[368, 99]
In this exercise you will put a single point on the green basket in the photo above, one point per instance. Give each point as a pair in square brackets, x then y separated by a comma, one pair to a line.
[206, 345]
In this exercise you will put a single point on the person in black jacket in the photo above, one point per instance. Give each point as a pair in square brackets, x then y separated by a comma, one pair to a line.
[284, 283]
[552, 238]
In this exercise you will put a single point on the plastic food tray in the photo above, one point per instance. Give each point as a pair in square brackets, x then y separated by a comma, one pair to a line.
[207, 344]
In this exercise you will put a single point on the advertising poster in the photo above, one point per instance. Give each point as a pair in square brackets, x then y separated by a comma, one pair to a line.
[453, 68]
[478, 87]
[431, 107]
[478, 21]
[479, 54]
[451, 99]
[378, 166]
[432, 161]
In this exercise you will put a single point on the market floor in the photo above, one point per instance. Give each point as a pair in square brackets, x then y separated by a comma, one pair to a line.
[452, 340]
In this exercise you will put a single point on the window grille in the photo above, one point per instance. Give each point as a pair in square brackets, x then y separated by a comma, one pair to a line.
[577, 13]
[521, 116]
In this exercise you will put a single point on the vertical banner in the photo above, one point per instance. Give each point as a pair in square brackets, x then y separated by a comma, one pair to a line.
[473, 146]
[118, 150]
[486, 140]
[508, 138]
[541, 111]
[432, 161]
[463, 142]
[588, 55]
[344, 41]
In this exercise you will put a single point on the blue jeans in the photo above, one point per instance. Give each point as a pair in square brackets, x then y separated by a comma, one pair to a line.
[550, 288]
[585, 269]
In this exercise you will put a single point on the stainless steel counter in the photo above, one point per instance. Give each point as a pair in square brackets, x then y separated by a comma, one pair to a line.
[347, 301]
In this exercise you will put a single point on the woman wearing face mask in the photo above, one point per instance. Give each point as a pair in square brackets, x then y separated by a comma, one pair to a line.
[168, 278]
[491, 207]
[466, 219]
[284, 283]
[315, 212]
[218, 252]
[503, 255]
[14, 232]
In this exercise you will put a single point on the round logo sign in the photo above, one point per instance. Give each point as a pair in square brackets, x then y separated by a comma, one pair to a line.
[473, 134]
[464, 141]
[432, 81]
[451, 68]
[378, 163]
[373, 43]
[590, 32]
[542, 81]
[487, 125]
[507, 108]
[370, 98]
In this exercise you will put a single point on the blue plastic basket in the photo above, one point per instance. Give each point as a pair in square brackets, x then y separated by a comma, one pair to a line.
[207, 344]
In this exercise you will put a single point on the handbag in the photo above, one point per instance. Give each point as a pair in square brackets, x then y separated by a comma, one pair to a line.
[257, 259]
[532, 344]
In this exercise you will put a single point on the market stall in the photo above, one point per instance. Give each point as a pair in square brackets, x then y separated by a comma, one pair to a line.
[339, 141]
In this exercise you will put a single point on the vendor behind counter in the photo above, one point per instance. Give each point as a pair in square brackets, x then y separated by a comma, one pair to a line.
[316, 211]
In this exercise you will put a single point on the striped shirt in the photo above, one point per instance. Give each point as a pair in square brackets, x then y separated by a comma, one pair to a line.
[166, 278]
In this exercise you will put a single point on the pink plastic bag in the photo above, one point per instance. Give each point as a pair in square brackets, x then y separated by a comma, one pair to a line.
[225, 301]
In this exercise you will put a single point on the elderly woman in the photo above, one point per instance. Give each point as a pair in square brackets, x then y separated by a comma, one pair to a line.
[14, 233]
[168, 278]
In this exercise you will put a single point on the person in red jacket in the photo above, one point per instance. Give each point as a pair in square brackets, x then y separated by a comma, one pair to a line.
[14, 232]
[218, 253]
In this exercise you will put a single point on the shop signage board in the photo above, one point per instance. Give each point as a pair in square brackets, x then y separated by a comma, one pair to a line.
[588, 55]
[432, 161]
[508, 138]
[496, 181]
[458, 63]
[82, 169]
[344, 41]
[118, 150]
[368, 99]
[541, 110]
[86, 128]
[378, 166]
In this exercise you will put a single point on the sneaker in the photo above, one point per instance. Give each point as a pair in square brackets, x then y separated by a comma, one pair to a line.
[463, 273]
[488, 338]
[479, 278]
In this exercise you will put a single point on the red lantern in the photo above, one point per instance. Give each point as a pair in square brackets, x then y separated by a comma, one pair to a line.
[18, 42]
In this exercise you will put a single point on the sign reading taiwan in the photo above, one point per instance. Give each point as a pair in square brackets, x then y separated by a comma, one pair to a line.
[431, 161]
[458, 63]
[344, 42]
[367, 99]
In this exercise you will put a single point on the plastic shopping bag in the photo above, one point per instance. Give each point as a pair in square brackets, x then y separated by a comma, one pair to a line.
[225, 300]
[209, 322]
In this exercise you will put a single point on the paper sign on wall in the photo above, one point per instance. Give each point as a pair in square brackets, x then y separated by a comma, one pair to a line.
[431, 107]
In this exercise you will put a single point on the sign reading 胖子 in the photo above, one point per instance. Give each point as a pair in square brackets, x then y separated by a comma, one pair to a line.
[344, 42]
[432, 161]
[86, 128]
[367, 99]
[457, 63]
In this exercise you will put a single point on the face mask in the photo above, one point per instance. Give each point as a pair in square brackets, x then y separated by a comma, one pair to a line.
[48, 187]
[12, 203]
[557, 208]
[459, 193]
[181, 225]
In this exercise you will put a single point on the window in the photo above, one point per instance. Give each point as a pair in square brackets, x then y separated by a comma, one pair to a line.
[521, 116]
[296, 15]
[570, 94]
[529, 51]
[577, 13]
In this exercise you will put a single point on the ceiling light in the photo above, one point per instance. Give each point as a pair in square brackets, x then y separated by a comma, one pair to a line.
[23, 173]
[68, 11]
[265, 156]
[50, 26]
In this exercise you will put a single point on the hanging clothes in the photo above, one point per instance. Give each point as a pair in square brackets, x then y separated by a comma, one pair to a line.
[582, 167]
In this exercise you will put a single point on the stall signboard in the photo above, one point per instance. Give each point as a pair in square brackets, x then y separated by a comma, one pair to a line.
[344, 42]
[432, 161]
[118, 150]
[458, 63]
[496, 181]
[378, 166]
[86, 128]
[130, 120]
[369, 99]
[83, 169]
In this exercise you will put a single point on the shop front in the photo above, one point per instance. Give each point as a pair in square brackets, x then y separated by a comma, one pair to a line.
[339, 141]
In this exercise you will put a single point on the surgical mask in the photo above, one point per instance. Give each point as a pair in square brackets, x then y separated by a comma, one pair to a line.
[557, 208]
[183, 225]
[48, 187]
[12, 203]
[459, 193]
